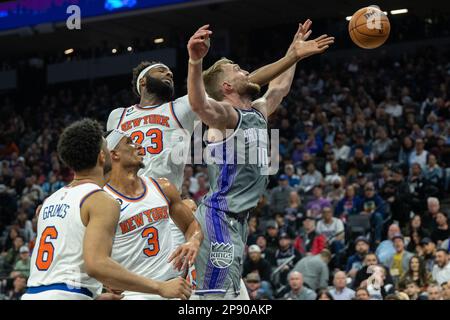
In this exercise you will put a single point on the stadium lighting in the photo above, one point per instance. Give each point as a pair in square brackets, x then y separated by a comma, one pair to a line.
[114, 50]
[348, 18]
[399, 11]
[158, 40]
[129, 49]
[68, 51]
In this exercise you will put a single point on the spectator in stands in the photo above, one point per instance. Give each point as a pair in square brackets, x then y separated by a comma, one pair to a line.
[324, 295]
[271, 237]
[395, 191]
[386, 248]
[32, 192]
[355, 261]
[255, 263]
[429, 217]
[340, 290]
[406, 150]
[347, 205]
[433, 173]
[12, 255]
[25, 225]
[310, 178]
[293, 179]
[416, 273]
[372, 205]
[362, 294]
[333, 230]
[414, 233]
[19, 287]
[446, 290]
[370, 261]
[441, 269]
[429, 253]
[314, 207]
[255, 288]
[412, 289]
[381, 145]
[22, 265]
[398, 263]
[294, 212]
[309, 242]
[297, 290]
[279, 196]
[315, 269]
[419, 154]
[360, 161]
[340, 149]
[285, 255]
[434, 292]
[335, 192]
[203, 187]
[441, 230]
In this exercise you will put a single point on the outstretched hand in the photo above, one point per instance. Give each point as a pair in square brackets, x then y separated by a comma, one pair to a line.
[198, 44]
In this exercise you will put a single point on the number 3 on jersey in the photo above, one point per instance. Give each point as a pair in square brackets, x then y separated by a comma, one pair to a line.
[151, 233]
[156, 142]
[46, 249]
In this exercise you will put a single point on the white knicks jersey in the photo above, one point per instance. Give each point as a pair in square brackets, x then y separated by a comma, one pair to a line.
[58, 255]
[165, 133]
[143, 240]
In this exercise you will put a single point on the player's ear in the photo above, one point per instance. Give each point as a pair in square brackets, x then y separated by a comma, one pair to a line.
[142, 82]
[227, 87]
[101, 157]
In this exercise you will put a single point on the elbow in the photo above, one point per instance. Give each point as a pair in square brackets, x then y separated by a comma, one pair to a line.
[93, 269]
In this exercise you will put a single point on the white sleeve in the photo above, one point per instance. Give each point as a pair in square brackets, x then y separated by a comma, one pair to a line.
[182, 110]
[114, 118]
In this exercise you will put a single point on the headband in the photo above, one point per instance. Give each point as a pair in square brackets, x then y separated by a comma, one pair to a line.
[143, 72]
[113, 139]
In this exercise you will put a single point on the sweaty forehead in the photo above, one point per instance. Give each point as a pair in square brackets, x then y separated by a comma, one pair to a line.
[159, 69]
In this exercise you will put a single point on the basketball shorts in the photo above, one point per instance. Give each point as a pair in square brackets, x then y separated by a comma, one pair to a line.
[220, 260]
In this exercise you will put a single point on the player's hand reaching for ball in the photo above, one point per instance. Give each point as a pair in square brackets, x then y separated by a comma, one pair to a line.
[184, 256]
[175, 288]
[198, 44]
[303, 48]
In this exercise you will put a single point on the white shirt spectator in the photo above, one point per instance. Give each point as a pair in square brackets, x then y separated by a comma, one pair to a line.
[329, 230]
[441, 275]
[342, 153]
[421, 159]
[394, 110]
[345, 294]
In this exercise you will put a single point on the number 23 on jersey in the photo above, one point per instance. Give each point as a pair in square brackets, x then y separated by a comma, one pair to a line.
[156, 140]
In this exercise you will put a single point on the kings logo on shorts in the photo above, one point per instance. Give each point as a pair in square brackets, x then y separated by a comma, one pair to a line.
[221, 254]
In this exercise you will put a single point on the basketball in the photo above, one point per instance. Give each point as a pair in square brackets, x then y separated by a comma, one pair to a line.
[369, 27]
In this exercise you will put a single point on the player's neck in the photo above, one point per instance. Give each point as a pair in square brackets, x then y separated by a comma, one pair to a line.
[150, 99]
[94, 176]
[238, 101]
[126, 182]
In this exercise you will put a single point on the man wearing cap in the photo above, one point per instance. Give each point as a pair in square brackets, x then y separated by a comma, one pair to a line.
[294, 180]
[256, 263]
[309, 242]
[23, 264]
[285, 253]
[279, 196]
[271, 237]
[399, 262]
[355, 261]
[429, 253]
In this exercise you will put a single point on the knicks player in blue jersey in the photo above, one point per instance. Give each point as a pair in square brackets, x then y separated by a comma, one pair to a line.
[76, 227]
[237, 145]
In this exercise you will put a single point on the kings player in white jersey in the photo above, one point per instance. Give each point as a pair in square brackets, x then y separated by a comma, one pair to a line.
[76, 227]
[143, 240]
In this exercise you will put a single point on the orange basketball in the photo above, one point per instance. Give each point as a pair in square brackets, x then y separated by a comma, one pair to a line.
[369, 28]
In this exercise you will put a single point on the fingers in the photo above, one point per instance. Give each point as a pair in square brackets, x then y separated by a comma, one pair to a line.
[306, 25]
[306, 35]
[321, 37]
[174, 254]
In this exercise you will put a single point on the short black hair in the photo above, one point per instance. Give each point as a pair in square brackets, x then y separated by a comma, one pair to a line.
[80, 143]
[137, 70]
[442, 250]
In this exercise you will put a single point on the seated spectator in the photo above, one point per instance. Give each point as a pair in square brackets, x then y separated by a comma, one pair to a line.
[340, 290]
[434, 292]
[279, 196]
[360, 162]
[12, 256]
[22, 266]
[203, 187]
[441, 269]
[297, 291]
[419, 154]
[370, 261]
[255, 263]
[446, 244]
[412, 289]
[341, 150]
[377, 285]
[53, 184]
[294, 212]
[414, 232]
[441, 230]
[347, 205]
[324, 295]
[362, 294]
[257, 288]
[398, 263]
[309, 242]
[417, 185]
[355, 262]
[432, 172]
[261, 242]
[25, 226]
[381, 145]
[271, 237]
[428, 253]
[396, 191]
[286, 252]
[372, 204]
[19, 287]
[333, 230]
[429, 217]
[32, 191]
[405, 150]
[446, 290]
[315, 269]
[416, 273]
[335, 192]
[314, 207]
[310, 178]
[293, 179]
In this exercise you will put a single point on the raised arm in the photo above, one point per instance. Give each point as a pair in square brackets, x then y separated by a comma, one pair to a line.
[213, 113]
[103, 215]
[280, 86]
[183, 217]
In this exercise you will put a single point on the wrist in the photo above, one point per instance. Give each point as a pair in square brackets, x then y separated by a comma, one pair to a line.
[195, 62]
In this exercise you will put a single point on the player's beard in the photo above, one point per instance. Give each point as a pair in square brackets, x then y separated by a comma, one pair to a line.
[161, 89]
[249, 89]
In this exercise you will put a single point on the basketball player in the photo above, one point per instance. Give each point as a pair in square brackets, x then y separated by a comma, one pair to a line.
[76, 227]
[232, 117]
[164, 126]
[143, 240]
